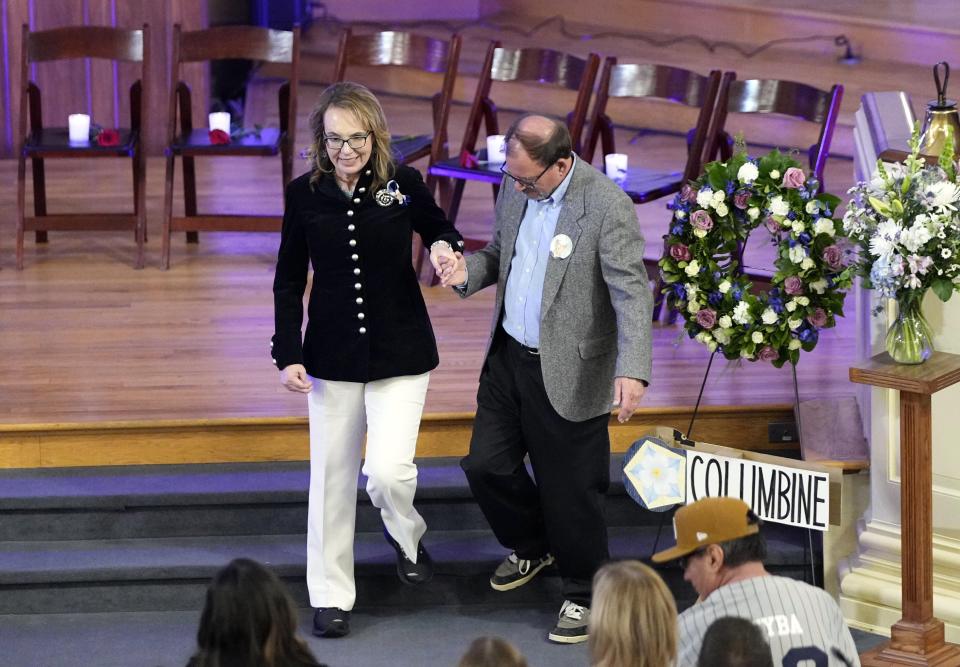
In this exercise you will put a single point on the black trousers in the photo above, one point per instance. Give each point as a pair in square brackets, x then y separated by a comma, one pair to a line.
[562, 512]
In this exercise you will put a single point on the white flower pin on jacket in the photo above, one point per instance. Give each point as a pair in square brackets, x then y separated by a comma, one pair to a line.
[391, 194]
[561, 246]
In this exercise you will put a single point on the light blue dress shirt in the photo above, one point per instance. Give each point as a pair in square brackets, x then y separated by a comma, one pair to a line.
[524, 292]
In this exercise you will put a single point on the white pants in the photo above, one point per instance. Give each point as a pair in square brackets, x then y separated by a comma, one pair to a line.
[389, 411]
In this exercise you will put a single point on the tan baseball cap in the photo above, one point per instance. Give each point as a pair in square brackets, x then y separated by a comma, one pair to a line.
[708, 521]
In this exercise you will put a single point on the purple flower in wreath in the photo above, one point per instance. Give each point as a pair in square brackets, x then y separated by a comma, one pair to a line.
[742, 199]
[680, 252]
[688, 194]
[833, 256]
[818, 318]
[767, 353]
[701, 220]
[793, 286]
[772, 225]
[794, 178]
[707, 318]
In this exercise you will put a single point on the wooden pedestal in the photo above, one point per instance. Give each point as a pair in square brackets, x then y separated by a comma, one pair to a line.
[917, 638]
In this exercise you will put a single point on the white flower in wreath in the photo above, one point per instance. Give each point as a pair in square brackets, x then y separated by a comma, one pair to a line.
[721, 209]
[945, 194]
[693, 268]
[824, 226]
[724, 287]
[798, 226]
[756, 337]
[803, 300]
[807, 264]
[915, 237]
[691, 289]
[797, 254]
[561, 246]
[791, 306]
[819, 286]
[794, 344]
[748, 173]
[946, 253]
[722, 336]
[717, 198]
[774, 174]
[778, 206]
[693, 307]
[700, 233]
[741, 313]
[725, 322]
[704, 197]
[769, 316]
[812, 207]
[794, 324]
[680, 214]
[753, 212]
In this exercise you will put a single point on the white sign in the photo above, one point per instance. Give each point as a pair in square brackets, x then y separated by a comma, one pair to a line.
[776, 493]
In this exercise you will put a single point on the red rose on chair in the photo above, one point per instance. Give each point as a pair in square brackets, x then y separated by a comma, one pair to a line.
[219, 137]
[468, 160]
[108, 137]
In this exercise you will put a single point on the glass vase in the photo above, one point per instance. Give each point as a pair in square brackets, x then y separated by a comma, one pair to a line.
[910, 339]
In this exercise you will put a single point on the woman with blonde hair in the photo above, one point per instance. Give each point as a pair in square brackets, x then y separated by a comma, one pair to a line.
[633, 619]
[365, 359]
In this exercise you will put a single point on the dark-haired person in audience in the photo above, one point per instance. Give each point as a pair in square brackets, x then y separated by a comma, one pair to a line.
[721, 551]
[735, 642]
[365, 360]
[633, 620]
[570, 336]
[492, 652]
[249, 620]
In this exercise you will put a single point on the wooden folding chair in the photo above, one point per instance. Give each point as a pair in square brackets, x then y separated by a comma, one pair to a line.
[241, 42]
[53, 142]
[642, 83]
[413, 52]
[779, 98]
[548, 68]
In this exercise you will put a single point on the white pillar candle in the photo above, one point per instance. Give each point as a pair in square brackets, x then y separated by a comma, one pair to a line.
[220, 120]
[496, 149]
[79, 128]
[616, 166]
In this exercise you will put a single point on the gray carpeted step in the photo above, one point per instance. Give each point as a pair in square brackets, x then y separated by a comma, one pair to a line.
[225, 499]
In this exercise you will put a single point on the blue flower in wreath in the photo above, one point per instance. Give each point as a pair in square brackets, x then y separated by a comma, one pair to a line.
[715, 299]
[677, 229]
[804, 238]
[809, 335]
[680, 291]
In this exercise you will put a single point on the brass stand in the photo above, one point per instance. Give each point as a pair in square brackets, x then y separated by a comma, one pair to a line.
[918, 637]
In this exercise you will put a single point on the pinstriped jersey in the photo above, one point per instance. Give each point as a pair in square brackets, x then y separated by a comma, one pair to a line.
[802, 623]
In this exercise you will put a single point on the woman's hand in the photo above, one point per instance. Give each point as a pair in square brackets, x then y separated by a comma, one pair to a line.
[294, 377]
[442, 257]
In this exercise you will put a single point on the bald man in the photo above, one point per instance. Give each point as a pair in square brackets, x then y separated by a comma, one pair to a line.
[570, 338]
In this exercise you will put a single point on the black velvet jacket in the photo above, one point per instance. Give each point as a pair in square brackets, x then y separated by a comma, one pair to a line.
[366, 316]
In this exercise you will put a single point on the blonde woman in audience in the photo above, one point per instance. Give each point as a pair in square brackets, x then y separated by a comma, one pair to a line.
[633, 621]
[492, 652]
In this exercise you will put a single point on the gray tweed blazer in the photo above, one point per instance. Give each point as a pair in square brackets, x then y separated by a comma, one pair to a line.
[596, 306]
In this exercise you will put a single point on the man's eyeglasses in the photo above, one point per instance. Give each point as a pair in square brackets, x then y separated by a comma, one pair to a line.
[683, 561]
[356, 142]
[526, 183]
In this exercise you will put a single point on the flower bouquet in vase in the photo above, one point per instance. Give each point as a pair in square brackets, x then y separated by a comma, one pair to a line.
[906, 225]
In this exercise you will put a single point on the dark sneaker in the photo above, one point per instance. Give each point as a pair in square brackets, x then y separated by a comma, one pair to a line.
[331, 622]
[571, 626]
[409, 572]
[514, 572]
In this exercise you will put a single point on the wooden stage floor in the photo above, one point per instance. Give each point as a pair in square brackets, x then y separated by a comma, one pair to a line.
[85, 339]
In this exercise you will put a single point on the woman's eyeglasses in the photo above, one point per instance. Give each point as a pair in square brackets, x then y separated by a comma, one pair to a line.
[356, 142]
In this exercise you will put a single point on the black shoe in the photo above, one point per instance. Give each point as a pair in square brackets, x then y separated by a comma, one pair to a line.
[331, 622]
[409, 572]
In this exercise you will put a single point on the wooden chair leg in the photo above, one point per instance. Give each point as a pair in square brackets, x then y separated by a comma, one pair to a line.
[39, 195]
[453, 205]
[190, 194]
[21, 206]
[286, 163]
[167, 214]
[139, 202]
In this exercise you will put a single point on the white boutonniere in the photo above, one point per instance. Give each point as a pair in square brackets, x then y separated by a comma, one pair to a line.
[390, 194]
[561, 246]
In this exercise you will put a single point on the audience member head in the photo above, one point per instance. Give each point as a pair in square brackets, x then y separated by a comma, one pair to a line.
[734, 642]
[492, 652]
[718, 541]
[633, 618]
[360, 111]
[249, 620]
[539, 155]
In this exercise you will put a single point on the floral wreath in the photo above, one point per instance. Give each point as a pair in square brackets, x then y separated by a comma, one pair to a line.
[712, 220]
